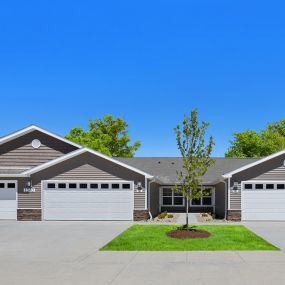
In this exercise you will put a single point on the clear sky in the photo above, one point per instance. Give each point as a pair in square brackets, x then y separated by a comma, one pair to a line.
[64, 62]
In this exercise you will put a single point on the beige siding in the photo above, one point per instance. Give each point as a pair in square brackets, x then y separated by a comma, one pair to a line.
[235, 199]
[86, 172]
[30, 200]
[20, 152]
[139, 199]
[274, 174]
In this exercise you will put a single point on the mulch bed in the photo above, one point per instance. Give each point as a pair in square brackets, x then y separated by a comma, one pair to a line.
[189, 233]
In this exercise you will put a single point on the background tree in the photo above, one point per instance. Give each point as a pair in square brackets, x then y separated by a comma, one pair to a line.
[195, 152]
[107, 135]
[258, 144]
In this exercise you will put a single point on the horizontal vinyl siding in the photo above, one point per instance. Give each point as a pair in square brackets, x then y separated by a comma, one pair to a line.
[139, 199]
[20, 152]
[85, 172]
[274, 174]
[30, 200]
[235, 199]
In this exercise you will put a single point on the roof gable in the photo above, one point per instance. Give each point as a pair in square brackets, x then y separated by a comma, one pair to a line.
[255, 163]
[32, 128]
[78, 152]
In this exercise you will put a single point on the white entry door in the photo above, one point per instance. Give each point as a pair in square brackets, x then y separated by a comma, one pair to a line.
[85, 200]
[263, 201]
[8, 200]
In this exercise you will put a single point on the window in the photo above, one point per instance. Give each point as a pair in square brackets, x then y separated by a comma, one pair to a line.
[83, 186]
[72, 185]
[258, 186]
[280, 186]
[61, 185]
[105, 186]
[206, 199]
[127, 186]
[115, 186]
[166, 197]
[51, 185]
[11, 185]
[269, 186]
[94, 186]
[170, 198]
[177, 199]
[247, 186]
[2, 185]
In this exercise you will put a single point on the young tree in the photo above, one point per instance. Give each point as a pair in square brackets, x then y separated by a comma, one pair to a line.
[107, 135]
[195, 152]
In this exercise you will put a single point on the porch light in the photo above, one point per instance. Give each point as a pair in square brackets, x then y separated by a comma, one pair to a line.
[28, 187]
[235, 187]
[139, 186]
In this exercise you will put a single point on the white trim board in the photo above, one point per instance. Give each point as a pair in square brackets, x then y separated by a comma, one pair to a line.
[230, 174]
[35, 128]
[78, 152]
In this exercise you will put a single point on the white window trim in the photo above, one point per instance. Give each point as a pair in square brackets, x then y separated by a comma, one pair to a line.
[212, 196]
[88, 182]
[264, 182]
[161, 198]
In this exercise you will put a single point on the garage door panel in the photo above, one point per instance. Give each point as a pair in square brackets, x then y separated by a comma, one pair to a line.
[263, 216]
[113, 204]
[8, 202]
[263, 205]
[262, 194]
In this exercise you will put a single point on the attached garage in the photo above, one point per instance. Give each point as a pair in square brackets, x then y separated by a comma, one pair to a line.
[263, 201]
[8, 200]
[88, 200]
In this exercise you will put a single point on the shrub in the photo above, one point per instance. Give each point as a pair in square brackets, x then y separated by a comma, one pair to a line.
[170, 216]
[162, 215]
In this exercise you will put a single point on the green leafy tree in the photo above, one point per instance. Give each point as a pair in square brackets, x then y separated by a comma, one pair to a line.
[258, 144]
[107, 135]
[195, 152]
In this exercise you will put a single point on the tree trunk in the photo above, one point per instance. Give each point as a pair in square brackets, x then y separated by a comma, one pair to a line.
[187, 210]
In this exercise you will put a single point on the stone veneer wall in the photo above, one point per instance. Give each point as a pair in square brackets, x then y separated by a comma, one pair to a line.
[234, 215]
[141, 215]
[29, 214]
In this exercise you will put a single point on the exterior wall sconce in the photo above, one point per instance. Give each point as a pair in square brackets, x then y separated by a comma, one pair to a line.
[235, 188]
[29, 188]
[139, 186]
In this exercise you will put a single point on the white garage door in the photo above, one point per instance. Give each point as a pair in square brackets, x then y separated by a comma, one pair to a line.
[8, 202]
[263, 201]
[70, 200]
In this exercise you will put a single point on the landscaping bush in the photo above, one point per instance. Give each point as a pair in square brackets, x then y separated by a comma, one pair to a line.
[162, 215]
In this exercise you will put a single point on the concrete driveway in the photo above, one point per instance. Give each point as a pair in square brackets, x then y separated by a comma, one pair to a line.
[67, 253]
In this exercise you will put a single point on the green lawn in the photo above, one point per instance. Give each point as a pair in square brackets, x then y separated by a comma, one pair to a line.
[153, 238]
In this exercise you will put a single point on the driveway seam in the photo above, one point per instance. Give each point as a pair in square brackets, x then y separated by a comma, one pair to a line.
[123, 269]
[242, 259]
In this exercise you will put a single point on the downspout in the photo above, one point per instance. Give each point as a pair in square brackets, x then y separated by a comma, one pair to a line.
[148, 197]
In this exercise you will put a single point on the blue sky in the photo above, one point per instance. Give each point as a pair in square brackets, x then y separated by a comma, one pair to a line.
[64, 62]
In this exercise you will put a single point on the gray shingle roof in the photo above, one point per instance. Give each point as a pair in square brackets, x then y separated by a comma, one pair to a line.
[164, 168]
